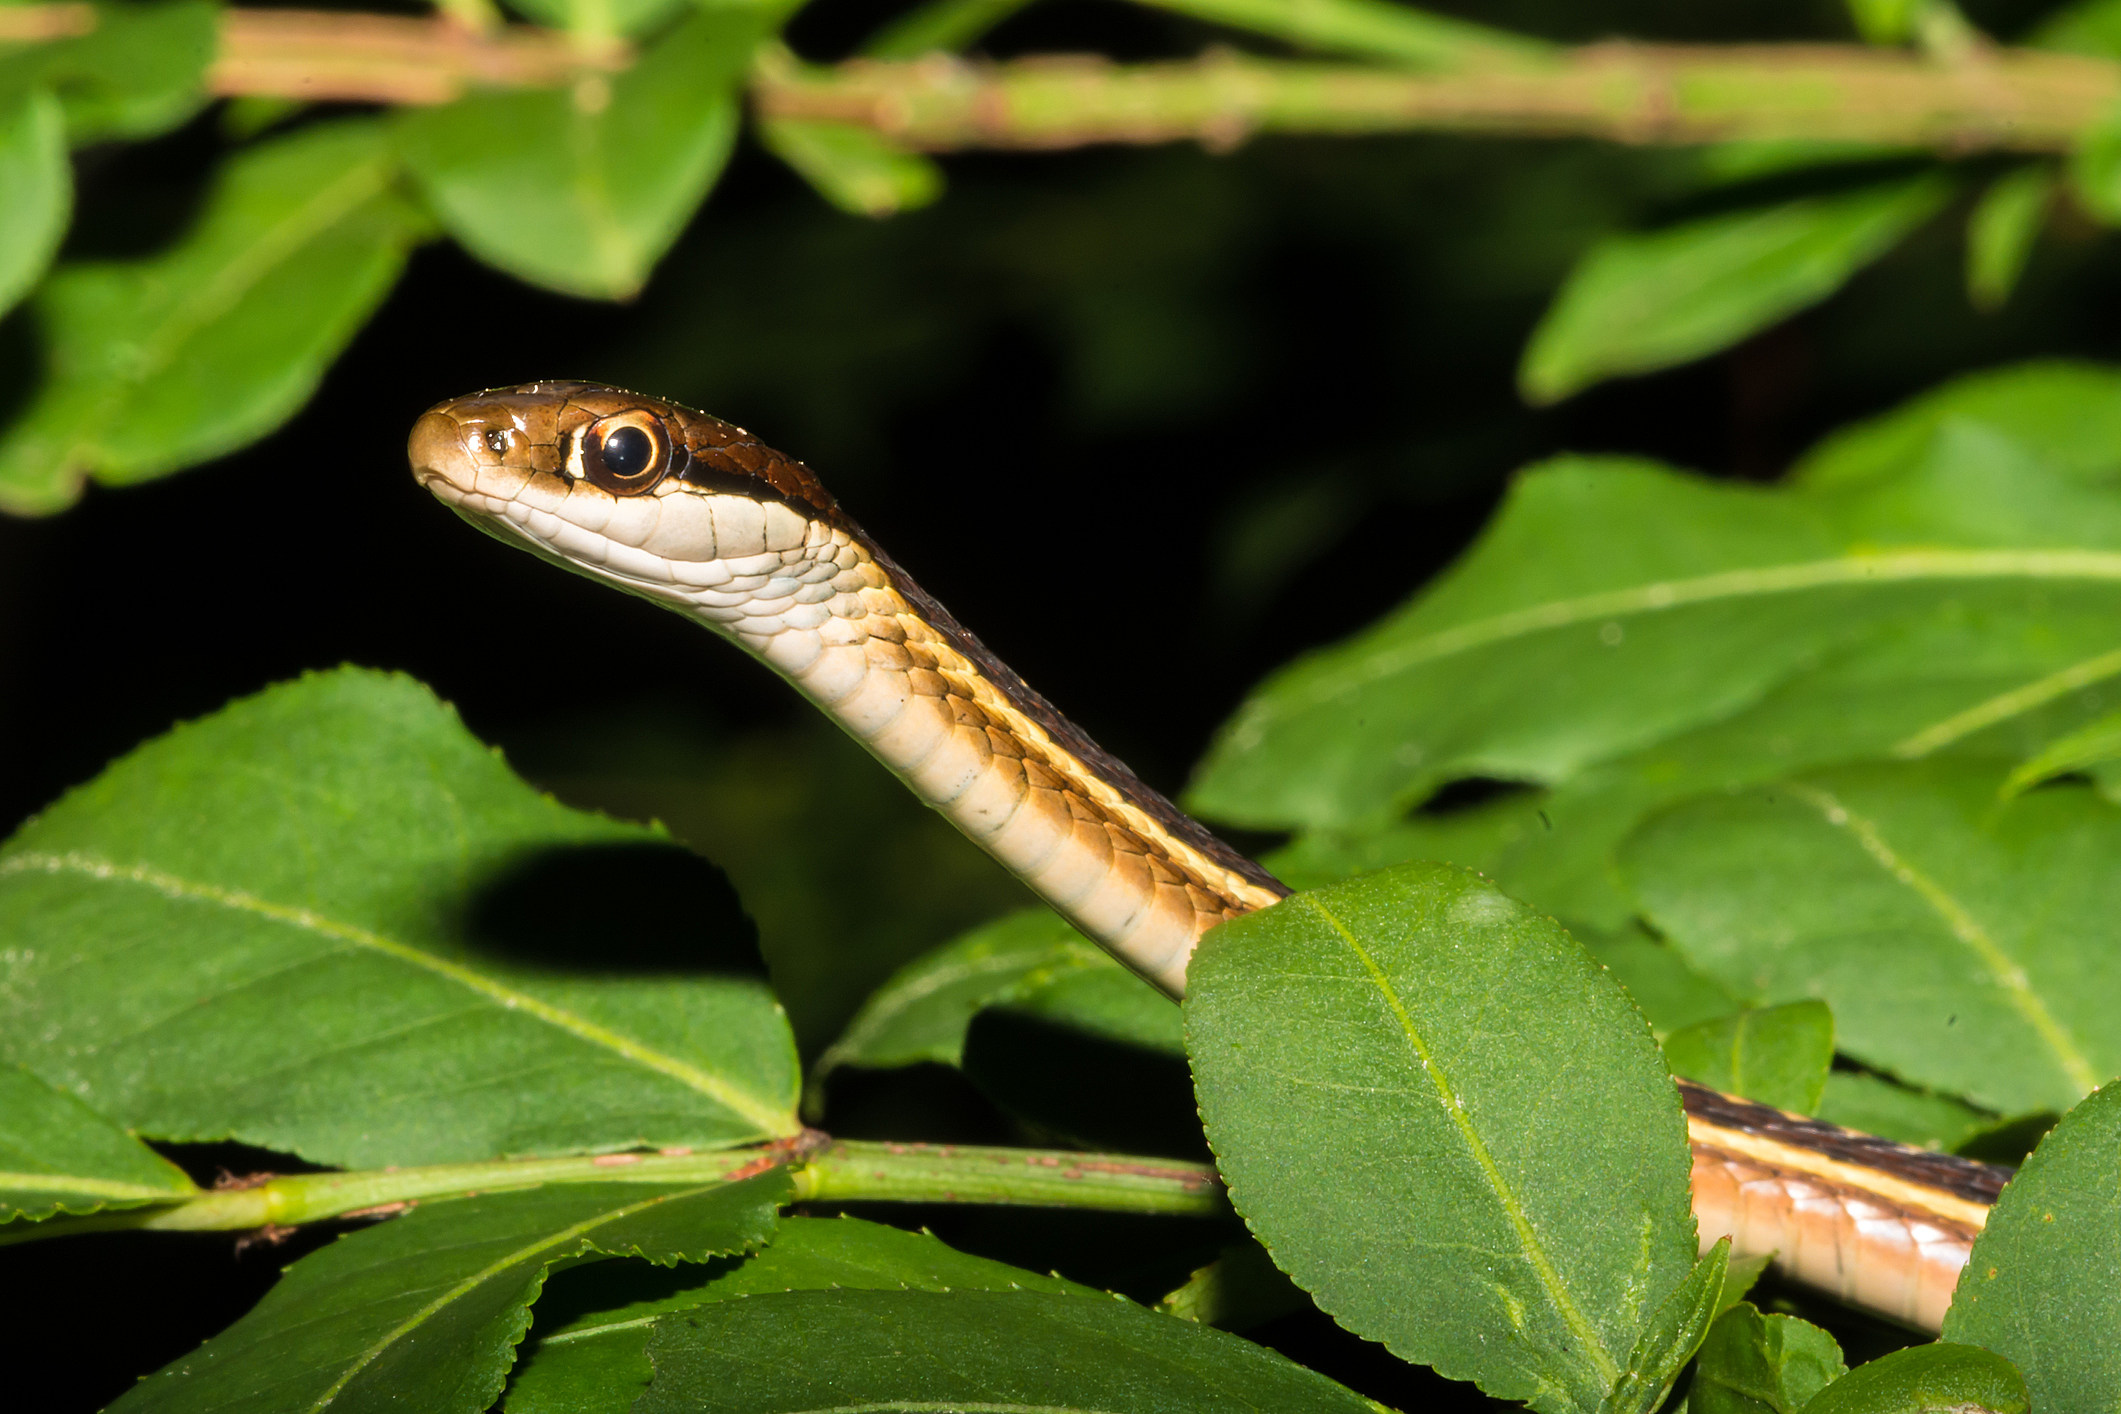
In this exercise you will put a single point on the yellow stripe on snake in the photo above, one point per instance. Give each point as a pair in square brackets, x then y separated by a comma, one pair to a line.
[696, 514]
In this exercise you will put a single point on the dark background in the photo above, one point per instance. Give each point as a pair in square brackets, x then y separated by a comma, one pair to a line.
[1150, 422]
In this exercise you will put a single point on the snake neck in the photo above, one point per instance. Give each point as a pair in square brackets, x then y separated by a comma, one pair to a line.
[853, 633]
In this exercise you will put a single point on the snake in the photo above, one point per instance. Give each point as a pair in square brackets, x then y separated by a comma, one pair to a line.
[696, 514]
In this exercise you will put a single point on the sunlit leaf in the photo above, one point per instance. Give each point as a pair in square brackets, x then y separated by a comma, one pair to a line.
[1672, 1336]
[39, 182]
[1642, 302]
[1755, 1364]
[58, 1155]
[939, 25]
[424, 1312]
[2096, 743]
[1498, 1114]
[812, 1350]
[1783, 628]
[2001, 231]
[1775, 1055]
[132, 70]
[1963, 946]
[923, 1012]
[2064, 415]
[854, 168]
[582, 189]
[326, 920]
[153, 365]
[1371, 28]
[1940, 1378]
[1238, 1290]
[588, 1352]
[2039, 1287]
[1885, 21]
[600, 17]
[2083, 27]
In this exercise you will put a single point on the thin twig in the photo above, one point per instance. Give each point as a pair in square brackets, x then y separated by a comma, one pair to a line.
[2002, 99]
[338, 55]
[2018, 100]
[825, 1170]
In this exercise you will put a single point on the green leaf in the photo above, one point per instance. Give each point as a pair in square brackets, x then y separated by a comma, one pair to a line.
[326, 920]
[425, 1311]
[1371, 28]
[135, 71]
[581, 190]
[1776, 1055]
[1496, 1110]
[1739, 1277]
[1875, 1105]
[1642, 302]
[2039, 1287]
[815, 1350]
[852, 167]
[1941, 1378]
[157, 364]
[2096, 743]
[600, 18]
[1672, 1336]
[2095, 169]
[1671, 994]
[59, 1156]
[1458, 682]
[945, 25]
[923, 1012]
[39, 182]
[847, 875]
[589, 1349]
[2064, 414]
[1238, 1290]
[1885, 21]
[1755, 1364]
[2001, 231]
[1960, 596]
[1476, 837]
[1962, 946]
[2086, 27]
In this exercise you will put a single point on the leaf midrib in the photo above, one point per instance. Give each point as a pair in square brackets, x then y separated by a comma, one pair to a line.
[465, 1286]
[751, 1108]
[2005, 971]
[1609, 1370]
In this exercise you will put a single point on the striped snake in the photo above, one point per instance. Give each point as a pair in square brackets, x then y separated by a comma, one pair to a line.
[696, 514]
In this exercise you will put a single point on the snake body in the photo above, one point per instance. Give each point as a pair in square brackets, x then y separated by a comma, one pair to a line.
[694, 513]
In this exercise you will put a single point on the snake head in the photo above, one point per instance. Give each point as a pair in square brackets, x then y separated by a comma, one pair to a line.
[635, 490]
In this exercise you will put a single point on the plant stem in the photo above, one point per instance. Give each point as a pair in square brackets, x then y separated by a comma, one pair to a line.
[2019, 100]
[825, 1170]
[1987, 99]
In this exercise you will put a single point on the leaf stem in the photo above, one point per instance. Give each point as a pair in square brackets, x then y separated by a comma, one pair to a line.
[825, 1170]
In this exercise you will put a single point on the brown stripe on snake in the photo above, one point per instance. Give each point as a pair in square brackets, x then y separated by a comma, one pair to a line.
[698, 515]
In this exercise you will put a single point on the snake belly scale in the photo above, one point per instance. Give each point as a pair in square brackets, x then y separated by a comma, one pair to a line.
[696, 514]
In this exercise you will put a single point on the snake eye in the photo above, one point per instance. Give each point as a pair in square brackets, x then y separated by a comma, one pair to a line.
[626, 453]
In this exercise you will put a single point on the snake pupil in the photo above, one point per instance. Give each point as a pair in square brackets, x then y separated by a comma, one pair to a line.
[628, 451]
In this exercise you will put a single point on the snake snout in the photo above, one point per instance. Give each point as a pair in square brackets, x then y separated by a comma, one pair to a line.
[438, 452]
